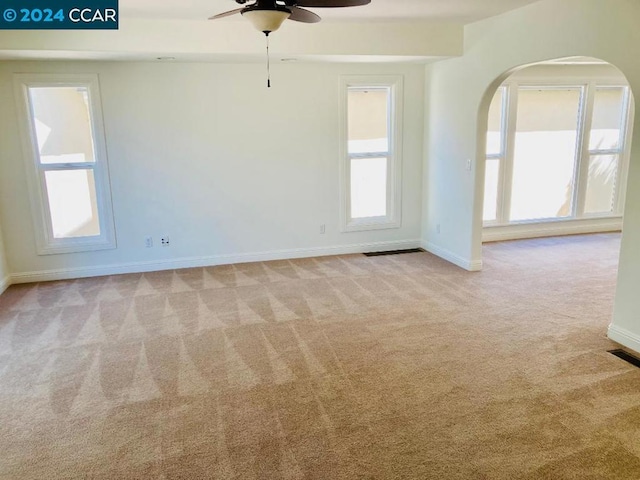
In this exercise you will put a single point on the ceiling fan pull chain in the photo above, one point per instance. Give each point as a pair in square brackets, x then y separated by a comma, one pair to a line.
[267, 15]
[268, 63]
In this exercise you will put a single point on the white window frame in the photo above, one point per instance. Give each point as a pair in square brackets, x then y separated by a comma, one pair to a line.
[583, 153]
[393, 218]
[46, 243]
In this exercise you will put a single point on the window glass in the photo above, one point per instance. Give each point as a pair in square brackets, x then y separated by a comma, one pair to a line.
[494, 131]
[607, 122]
[72, 203]
[491, 183]
[545, 153]
[601, 185]
[368, 187]
[62, 124]
[368, 118]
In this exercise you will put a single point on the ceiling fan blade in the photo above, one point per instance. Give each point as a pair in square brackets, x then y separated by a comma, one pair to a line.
[302, 15]
[226, 14]
[331, 3]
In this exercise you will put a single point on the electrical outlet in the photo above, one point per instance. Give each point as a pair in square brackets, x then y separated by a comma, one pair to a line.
[323, 229]
[165, 241]
[438, 228]
[468, 164]
[148, 242]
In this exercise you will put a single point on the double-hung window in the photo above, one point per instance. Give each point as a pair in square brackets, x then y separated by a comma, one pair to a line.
[603, 171]
[66, 162]
[371, 159]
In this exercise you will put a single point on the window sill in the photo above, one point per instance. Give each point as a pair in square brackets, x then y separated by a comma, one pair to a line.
[76, 247]
[369, 224]
[551, 228]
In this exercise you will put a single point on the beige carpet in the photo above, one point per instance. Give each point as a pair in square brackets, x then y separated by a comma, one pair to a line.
[397, 367]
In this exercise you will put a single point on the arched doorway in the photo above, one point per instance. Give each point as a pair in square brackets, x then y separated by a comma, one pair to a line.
[556, 150]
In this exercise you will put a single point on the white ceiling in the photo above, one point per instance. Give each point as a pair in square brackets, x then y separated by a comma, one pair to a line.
[464, 11]
[383, 31]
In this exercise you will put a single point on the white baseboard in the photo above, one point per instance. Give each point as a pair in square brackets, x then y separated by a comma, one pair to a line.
[5, 283]
[624, 337]
[138, 267]
[467, 264]
[551, 229]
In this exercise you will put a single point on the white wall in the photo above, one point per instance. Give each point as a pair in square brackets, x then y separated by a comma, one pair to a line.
[206, 154]
[458, 88]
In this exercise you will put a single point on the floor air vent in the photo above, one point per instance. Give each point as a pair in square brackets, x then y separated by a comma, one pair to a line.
[627, 357]
[394, 252]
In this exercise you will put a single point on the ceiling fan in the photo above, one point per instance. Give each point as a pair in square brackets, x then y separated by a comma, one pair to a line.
[268, 15]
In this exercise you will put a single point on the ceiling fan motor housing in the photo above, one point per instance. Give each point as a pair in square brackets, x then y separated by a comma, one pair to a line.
[266, 16]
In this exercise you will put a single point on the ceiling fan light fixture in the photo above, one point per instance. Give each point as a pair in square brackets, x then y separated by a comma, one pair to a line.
[266, 21]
